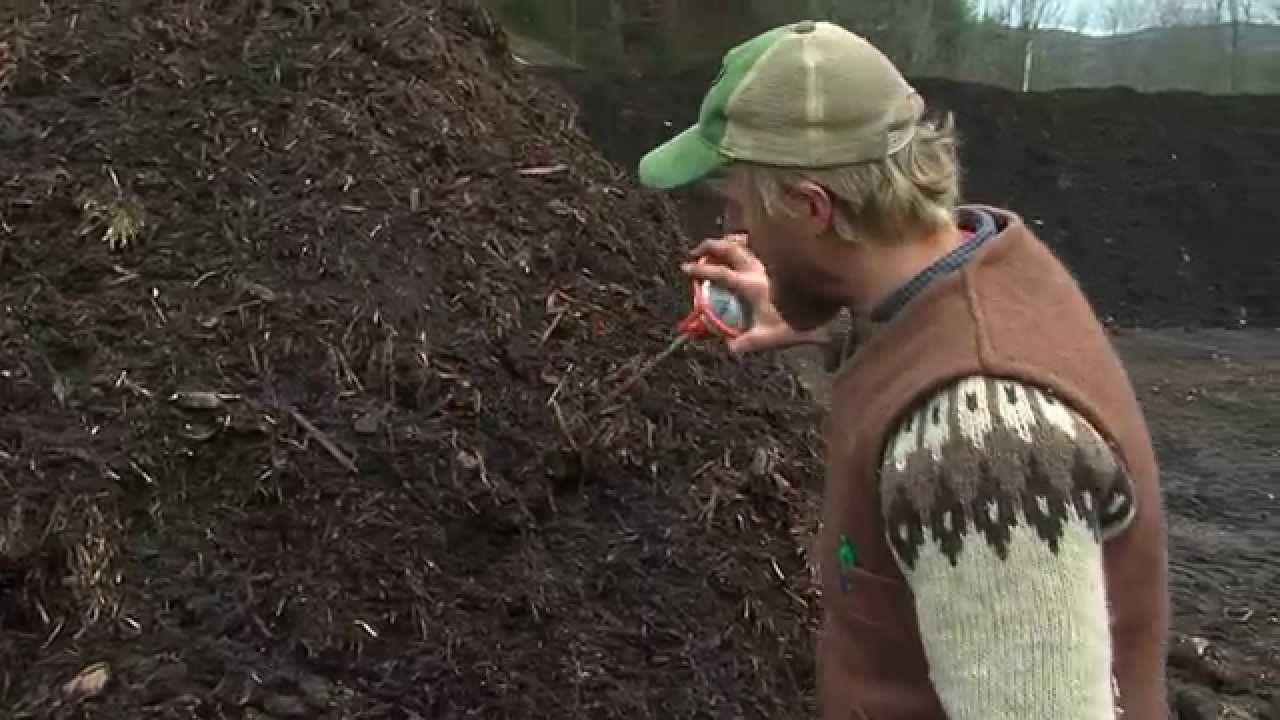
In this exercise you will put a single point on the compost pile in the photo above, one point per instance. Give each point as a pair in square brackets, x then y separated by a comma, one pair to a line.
[306, 308]
[1161, 205]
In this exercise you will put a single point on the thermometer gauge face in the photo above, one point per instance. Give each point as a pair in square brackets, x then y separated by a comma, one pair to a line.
[726, 307]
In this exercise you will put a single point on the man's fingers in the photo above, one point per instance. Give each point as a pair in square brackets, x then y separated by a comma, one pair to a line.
[739, 239]
[756, 341]
[718, 274]
[728, 252]
[728, 248]
[749, 343]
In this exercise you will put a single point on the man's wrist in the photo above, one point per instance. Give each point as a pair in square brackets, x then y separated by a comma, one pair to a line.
[820, 336]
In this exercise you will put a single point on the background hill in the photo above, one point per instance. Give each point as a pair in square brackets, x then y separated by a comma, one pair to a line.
[1194, 45]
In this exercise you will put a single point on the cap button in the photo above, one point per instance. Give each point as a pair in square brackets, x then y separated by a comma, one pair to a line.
[805, 27]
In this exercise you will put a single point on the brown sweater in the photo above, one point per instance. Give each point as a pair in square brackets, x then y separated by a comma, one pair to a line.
[1011, 337]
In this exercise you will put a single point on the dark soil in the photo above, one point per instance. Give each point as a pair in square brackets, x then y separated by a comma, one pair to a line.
[1163, 205]
[297, 369]
[1212, 398]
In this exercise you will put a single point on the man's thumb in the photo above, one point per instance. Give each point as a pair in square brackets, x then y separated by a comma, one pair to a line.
[750, 342]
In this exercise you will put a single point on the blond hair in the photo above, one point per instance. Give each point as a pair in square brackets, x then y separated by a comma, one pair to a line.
[912, 191]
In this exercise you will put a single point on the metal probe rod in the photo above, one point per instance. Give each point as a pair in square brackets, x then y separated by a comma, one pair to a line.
[653, 363]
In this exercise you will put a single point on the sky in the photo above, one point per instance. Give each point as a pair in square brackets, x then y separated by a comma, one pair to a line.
[1074, 8]
[1096, 16]
[1071, 13]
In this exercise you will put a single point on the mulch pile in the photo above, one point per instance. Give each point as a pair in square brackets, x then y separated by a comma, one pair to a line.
[306, 309]
[1162, 205]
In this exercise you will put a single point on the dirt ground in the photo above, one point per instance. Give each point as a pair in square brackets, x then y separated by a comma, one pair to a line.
[306, 315]
[1213, 401]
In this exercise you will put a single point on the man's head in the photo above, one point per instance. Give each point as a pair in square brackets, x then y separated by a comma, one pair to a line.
[819, 147]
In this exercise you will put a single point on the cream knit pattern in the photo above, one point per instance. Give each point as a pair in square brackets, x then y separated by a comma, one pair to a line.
[996, 498]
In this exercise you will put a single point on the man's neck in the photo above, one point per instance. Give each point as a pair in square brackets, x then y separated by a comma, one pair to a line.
[882, 269]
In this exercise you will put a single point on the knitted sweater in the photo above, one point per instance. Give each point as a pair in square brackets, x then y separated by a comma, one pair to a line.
[983, 551]
[1010, 594]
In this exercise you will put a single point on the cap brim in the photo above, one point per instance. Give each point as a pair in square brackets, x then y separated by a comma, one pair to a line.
[684, 159]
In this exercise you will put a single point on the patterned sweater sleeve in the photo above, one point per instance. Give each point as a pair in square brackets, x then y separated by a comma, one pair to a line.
[997, 498]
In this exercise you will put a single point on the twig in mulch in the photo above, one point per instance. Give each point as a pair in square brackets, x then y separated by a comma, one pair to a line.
[324, 440]
[545, 170]
[603, 405]
[564, 427]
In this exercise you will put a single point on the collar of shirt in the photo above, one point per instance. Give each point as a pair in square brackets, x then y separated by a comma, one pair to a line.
[978, 225]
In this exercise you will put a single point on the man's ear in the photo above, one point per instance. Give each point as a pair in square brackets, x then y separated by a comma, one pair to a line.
[816, 206]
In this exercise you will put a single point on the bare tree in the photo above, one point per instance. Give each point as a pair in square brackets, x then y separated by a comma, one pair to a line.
[916, 39]
[1239, 12]
[1234, 15]
[1029, 16]
[1123, 15]
[1083, 17]
[1186, 13]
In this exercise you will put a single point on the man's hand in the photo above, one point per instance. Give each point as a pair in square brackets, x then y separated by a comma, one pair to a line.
[739, 271]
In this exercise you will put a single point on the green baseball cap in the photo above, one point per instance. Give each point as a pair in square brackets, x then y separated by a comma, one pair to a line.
[803, 95]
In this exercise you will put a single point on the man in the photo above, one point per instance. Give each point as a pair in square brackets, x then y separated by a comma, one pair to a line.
[993, 542]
